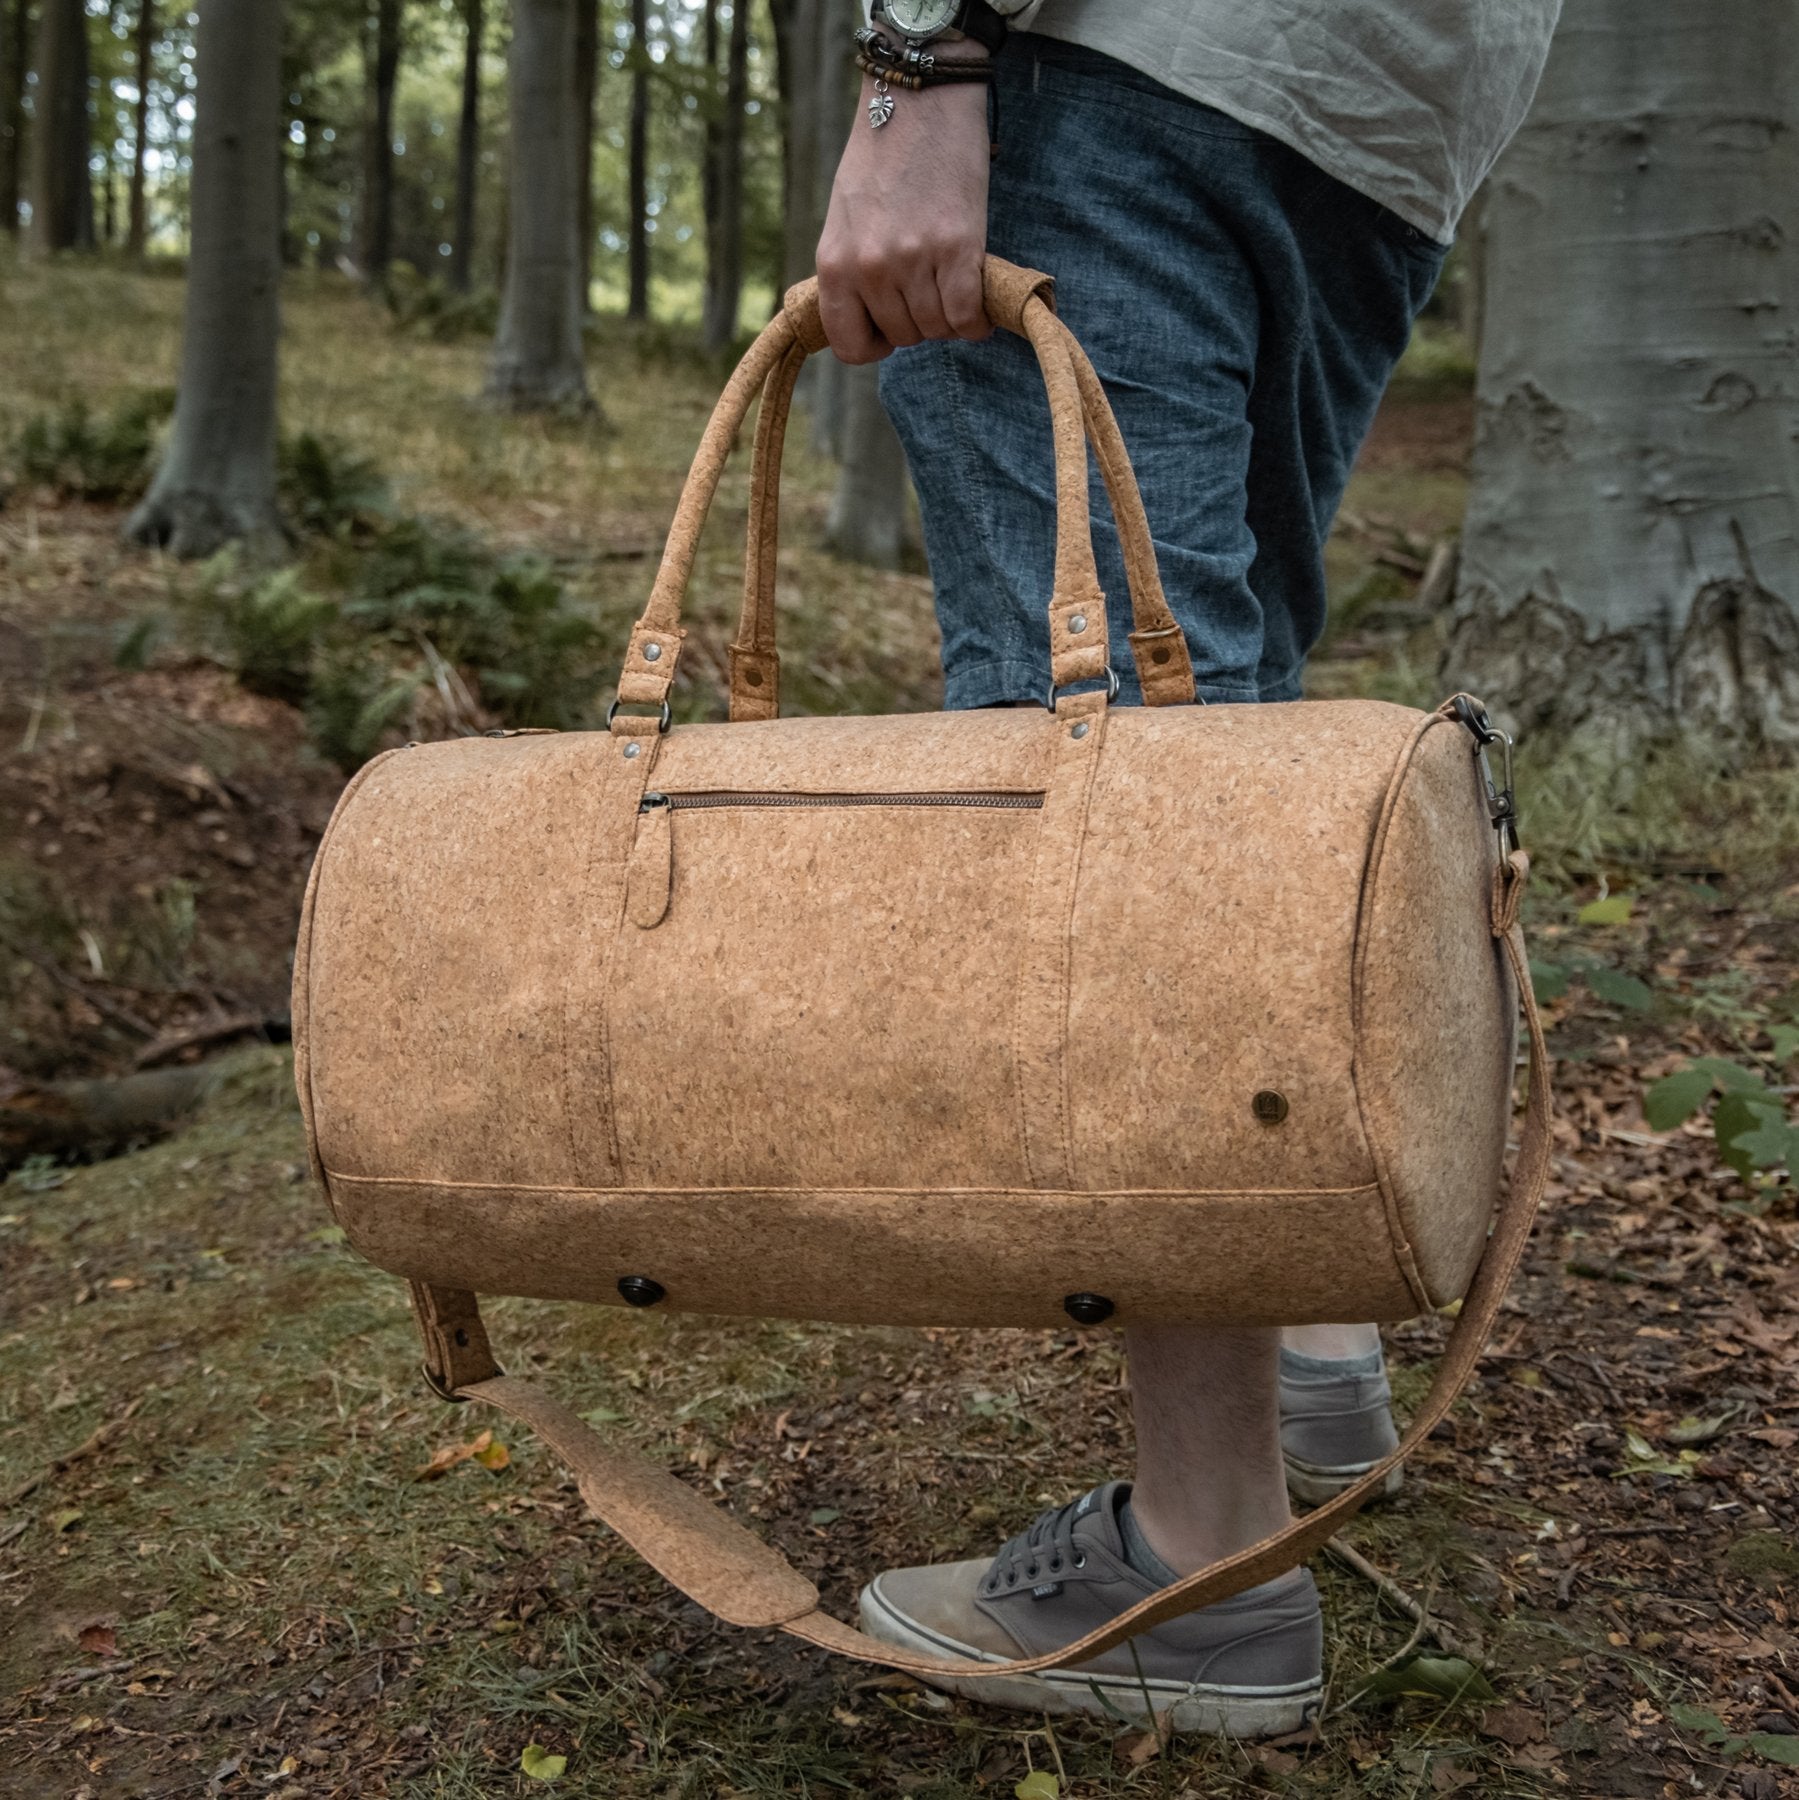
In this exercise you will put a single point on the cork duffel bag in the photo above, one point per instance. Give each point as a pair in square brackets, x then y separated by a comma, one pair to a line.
[1159, 1013]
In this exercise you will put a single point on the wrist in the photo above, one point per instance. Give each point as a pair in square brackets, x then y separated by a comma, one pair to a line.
[944, 49]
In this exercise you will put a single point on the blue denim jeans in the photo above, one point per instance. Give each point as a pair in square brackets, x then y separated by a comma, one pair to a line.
[1244, 310]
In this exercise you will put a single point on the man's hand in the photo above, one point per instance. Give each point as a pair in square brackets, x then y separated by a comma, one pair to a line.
[900, 258]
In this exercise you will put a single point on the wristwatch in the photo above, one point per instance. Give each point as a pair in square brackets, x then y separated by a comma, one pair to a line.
[924, 21]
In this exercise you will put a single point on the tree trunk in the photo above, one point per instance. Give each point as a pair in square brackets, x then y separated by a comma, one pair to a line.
[378, 145]
[216, 482]
[711, 141]
[1632, 546]
[724, 218]
[468, 151]
[537, 360]
[638, 306]
[587, 89]
[62, 197]
[15, 54]
[138, 227]
[826, 113]
[869, 520]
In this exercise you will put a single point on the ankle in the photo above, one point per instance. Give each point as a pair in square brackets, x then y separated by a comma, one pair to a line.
[1332, 1342]
[1183, 1539]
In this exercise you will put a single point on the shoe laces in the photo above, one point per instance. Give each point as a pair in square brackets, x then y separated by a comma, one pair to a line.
[1044, 1550]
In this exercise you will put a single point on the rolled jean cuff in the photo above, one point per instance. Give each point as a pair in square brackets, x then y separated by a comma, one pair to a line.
[1006, 682]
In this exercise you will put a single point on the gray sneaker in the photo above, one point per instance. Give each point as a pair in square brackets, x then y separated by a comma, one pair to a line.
[1334, 1428]
[1251, 1666]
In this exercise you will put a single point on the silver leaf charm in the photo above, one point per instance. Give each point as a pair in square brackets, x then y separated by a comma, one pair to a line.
[880, 106]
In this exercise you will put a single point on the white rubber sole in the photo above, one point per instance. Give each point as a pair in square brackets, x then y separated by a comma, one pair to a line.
[1314, 1483]
[1259, 1712]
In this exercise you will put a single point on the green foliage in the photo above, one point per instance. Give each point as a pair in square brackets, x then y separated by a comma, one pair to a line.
[424, 307]
[1764, 1556]
[352, 703]
[1749, 1118]
[1776, 1747]
[1447, 1678]
[83, 456]
[328, 488]
[1610, 986]
[421, 603]
[539, 1764]
[268, 631]
[1614, 909]
[502, 618]
[1439, 360]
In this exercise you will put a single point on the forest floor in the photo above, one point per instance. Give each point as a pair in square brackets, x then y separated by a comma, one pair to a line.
[222, 1570]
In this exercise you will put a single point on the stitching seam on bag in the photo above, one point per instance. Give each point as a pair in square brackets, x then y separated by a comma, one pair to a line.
[300, 999]
[999, 1193]
[1403, 1257]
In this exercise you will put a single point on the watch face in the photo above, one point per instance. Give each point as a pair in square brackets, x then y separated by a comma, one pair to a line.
[922, 18]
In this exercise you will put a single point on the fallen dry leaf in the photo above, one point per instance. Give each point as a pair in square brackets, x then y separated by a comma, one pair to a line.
[1515, 1725]
[98, 1640]
[1276, 1762]
[482, 1450]
[1139, 1748]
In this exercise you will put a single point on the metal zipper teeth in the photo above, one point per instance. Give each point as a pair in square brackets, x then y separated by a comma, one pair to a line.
[701, 800]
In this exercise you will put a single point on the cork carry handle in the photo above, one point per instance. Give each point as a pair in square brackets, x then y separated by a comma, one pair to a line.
[1158, 646]
[1017, 299]
[747, 1582]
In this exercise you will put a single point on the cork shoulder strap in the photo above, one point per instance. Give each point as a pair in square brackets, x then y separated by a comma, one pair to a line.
[745, 1581]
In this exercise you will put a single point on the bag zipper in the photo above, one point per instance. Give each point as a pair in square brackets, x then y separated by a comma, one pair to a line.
[712, 799]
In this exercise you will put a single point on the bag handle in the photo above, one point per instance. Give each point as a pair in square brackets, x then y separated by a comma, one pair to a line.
[1018, 300]
[747, 1582]
[1158, 646]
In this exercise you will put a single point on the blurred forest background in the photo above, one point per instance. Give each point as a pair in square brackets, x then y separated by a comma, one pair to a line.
[351, 356]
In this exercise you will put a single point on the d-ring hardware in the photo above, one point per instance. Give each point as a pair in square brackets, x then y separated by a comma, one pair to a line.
[1502, 799]
[1111, 689]
[662, 724]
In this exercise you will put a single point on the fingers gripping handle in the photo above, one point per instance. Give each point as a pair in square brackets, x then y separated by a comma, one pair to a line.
[1018, 300]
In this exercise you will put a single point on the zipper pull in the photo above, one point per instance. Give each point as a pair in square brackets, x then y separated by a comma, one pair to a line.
[651, 874]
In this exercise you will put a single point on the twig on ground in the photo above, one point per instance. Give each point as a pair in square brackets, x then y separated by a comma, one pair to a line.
[172, 1043]
[100, 1439]
[120, 1015]
[1391, 1662]
[1600, 1370]
[1390, 1590]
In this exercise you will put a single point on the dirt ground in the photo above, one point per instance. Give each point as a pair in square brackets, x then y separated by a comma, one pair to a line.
[223, 1572]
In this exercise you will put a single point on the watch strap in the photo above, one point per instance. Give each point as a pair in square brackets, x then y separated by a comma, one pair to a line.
[980, 22]
[976, 20]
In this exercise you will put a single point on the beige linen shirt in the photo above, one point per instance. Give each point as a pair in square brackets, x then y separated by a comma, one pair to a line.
[1409, 101]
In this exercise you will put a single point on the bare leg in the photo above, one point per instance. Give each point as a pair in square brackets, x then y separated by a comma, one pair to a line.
[1206, 1402]
[1332, 1340]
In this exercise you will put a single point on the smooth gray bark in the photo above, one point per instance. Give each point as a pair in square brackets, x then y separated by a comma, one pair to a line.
[537, 360]
[724, 177]
[1631, 557]
[138, 227]
[870, 520]
[637, 305]
[378, 141]
[587, 89]
[468, 149]
[216, 481]
[62, 195]
[15, 53]
[824, 104]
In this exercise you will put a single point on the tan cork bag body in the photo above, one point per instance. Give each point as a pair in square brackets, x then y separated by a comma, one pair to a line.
[1160, 1013]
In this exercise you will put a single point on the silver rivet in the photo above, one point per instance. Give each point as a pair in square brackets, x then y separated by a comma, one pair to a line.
[652, 653]
[633, 749]
[1078, 623]
[1080, 730]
